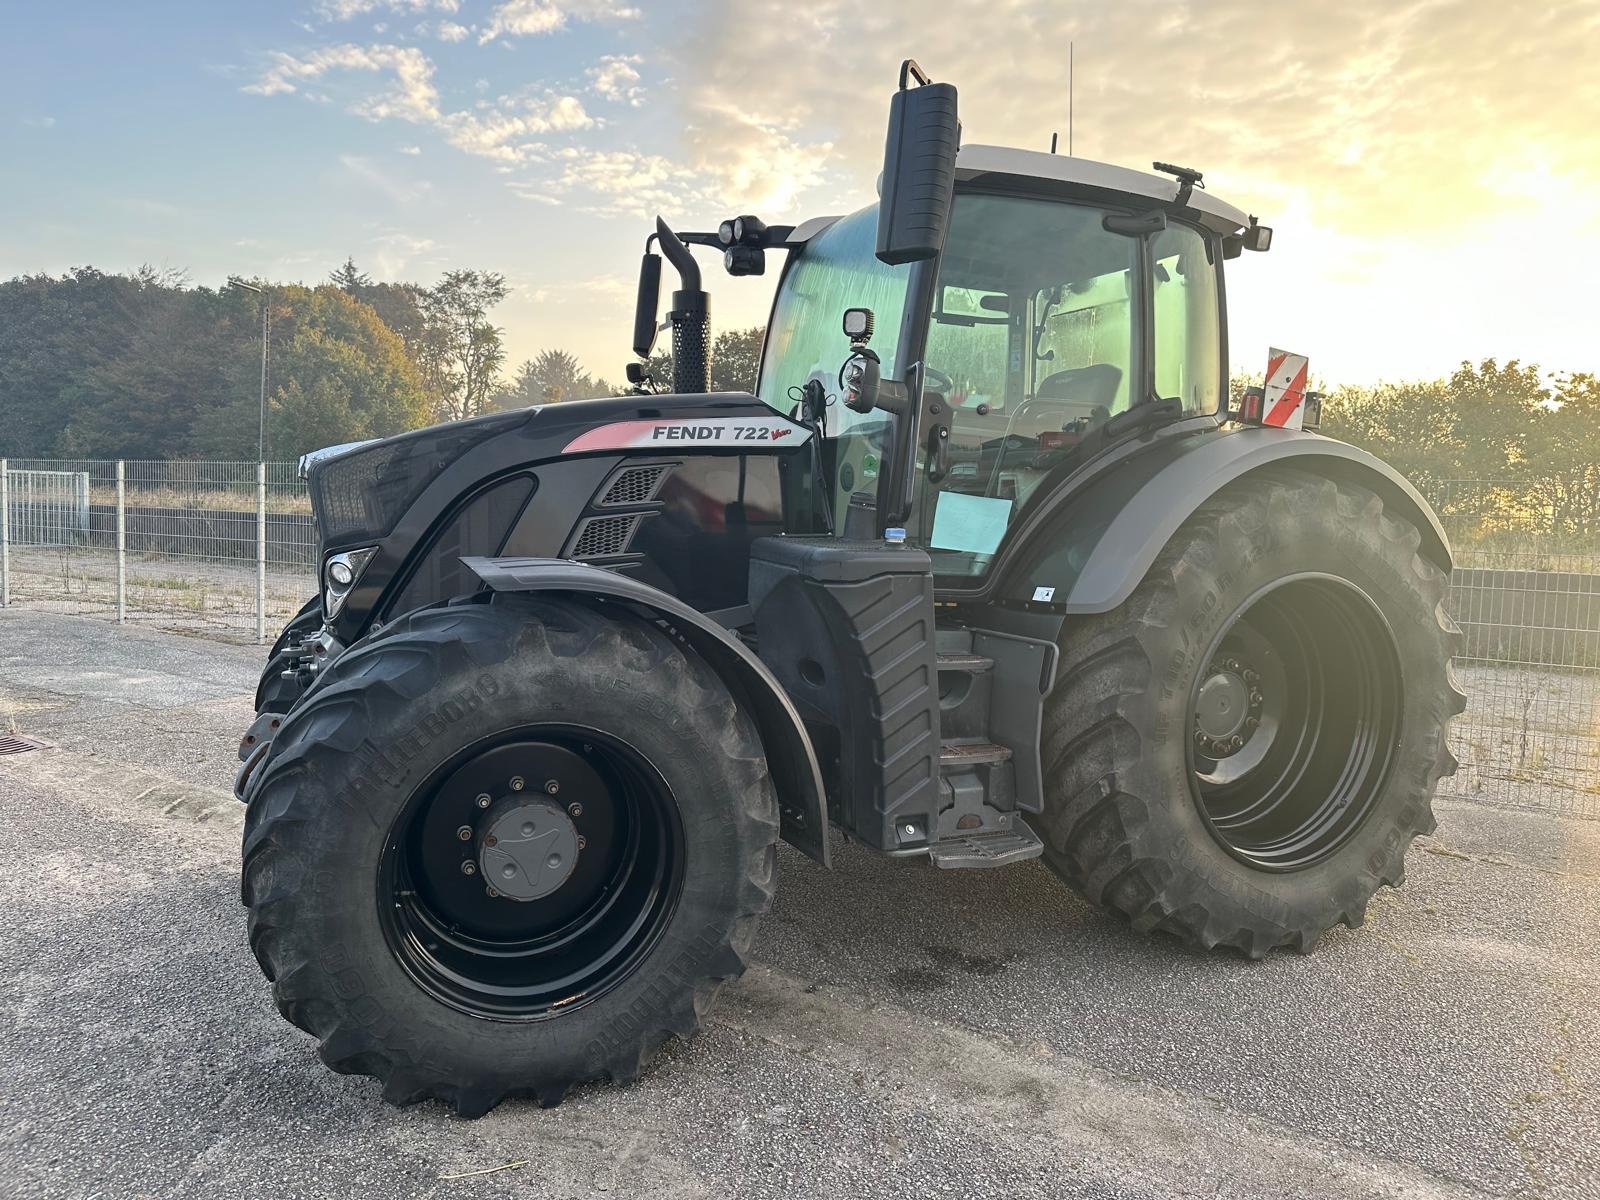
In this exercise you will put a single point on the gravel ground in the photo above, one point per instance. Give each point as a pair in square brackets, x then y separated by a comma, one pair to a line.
[905, 1032]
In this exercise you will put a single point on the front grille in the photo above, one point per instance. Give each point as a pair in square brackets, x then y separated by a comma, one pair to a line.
[635, 485]
[600, 537]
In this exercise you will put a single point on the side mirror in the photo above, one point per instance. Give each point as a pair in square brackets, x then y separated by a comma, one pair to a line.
[647, 305]
[862, 375]
[919, 169]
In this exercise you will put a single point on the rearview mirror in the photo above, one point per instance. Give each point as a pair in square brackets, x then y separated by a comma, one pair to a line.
[647, 305]
[919, 170]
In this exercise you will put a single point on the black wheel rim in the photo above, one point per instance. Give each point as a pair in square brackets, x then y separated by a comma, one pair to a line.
[604, 859]
[1294, 721]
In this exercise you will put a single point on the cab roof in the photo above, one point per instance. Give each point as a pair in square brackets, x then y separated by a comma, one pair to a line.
[982, 162]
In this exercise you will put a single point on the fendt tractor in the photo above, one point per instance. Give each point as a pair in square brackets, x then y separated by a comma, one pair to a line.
[988, 568]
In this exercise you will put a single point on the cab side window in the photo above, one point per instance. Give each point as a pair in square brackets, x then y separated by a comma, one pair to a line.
[1188, 354]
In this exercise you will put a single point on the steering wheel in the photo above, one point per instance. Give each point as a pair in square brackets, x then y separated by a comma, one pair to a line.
[942, 383]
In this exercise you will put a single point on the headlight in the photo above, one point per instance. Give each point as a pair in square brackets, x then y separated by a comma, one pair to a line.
[339, 575]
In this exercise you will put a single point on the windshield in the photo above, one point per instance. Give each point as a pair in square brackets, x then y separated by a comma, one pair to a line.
[837, 269]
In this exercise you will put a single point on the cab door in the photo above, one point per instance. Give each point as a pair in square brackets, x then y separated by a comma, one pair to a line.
[1044, 326]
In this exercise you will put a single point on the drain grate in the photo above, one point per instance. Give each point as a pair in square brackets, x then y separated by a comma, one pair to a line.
[15, 743]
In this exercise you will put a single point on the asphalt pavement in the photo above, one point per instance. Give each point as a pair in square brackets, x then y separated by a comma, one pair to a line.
[904, 1032]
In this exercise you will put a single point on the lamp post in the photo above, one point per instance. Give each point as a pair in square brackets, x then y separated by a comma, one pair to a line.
[266, 341]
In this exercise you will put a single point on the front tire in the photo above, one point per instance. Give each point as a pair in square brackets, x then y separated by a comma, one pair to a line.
[1242, 752]
[386, 937]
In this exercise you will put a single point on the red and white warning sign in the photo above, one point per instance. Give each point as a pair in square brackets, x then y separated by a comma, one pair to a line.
[1285, 390]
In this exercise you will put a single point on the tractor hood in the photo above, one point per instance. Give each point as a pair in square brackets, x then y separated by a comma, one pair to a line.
[360, 491]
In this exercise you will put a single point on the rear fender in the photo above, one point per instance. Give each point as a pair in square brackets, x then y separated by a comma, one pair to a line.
[1088, 553]
[790, 757]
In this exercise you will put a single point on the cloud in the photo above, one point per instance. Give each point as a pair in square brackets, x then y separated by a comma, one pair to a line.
[393, 252]
[344, 10]
[508, 130]
[615, 77]
[39, 122]
[629, 183]
[1379, 114]
[413, 97]
[449, 31]
[532, 18]
[413, 151]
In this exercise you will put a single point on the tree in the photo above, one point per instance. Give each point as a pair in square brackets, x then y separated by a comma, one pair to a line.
[736, 359]
[338, 375]
[549, 378]
[465, 349]
[1563, 455]
[350, 279]
[735, 362]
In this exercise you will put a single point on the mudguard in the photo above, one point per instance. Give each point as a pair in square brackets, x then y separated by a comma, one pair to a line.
[790, 756]
[1087, 552]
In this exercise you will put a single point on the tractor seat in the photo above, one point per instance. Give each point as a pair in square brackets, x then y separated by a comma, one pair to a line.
[1095, 385]
[1067, 396]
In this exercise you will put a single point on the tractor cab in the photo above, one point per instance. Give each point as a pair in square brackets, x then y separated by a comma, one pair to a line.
[1067, 306]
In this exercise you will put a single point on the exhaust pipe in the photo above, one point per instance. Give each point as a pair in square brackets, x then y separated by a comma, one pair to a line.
[690, 316]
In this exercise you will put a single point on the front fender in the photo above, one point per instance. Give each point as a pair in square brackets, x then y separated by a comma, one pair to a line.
[1094, 548]
[790, 757]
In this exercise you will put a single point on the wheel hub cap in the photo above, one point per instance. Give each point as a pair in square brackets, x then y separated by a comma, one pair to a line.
[529, 850]
[1222, 706]
[1227, 708]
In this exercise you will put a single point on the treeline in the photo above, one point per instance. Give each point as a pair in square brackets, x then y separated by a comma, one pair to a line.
[1535, 438]
[145, 366]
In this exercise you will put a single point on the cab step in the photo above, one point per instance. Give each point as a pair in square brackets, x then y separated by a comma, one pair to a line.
[998, 848]
[972, 664]
[972, 754]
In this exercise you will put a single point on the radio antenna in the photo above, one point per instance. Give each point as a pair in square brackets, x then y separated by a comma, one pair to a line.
[1071, 47]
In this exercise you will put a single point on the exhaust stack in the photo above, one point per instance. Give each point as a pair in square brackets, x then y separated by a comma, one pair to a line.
[690, 317]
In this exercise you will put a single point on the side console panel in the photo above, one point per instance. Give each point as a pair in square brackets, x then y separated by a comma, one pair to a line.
[848, 629]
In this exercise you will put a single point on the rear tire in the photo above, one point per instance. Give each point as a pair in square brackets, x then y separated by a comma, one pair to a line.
[356, 773]
[1161, 809]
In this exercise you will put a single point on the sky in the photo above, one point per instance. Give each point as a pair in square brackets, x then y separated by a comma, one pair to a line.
[1431, 167]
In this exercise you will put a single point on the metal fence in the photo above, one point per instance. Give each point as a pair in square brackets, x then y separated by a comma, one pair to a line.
[223, 549]
[227, 549]
[1526, 593]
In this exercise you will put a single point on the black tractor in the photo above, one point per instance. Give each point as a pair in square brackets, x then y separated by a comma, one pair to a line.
[988, 568]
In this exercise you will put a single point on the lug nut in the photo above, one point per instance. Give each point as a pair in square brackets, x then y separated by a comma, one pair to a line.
[551, 787]
[574, 809]
[483, 800]
[1232, 664]
[491, 840]
[1235, 742]
[1255, 697]
[490, 892]
[465, 833]
[1252, 722]
[1251, 677]
[469, 867]
[517, 783]
[582, 841]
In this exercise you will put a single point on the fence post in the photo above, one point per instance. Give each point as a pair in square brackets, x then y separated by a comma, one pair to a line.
[261, 553]
[122, 542]
[5, 534]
